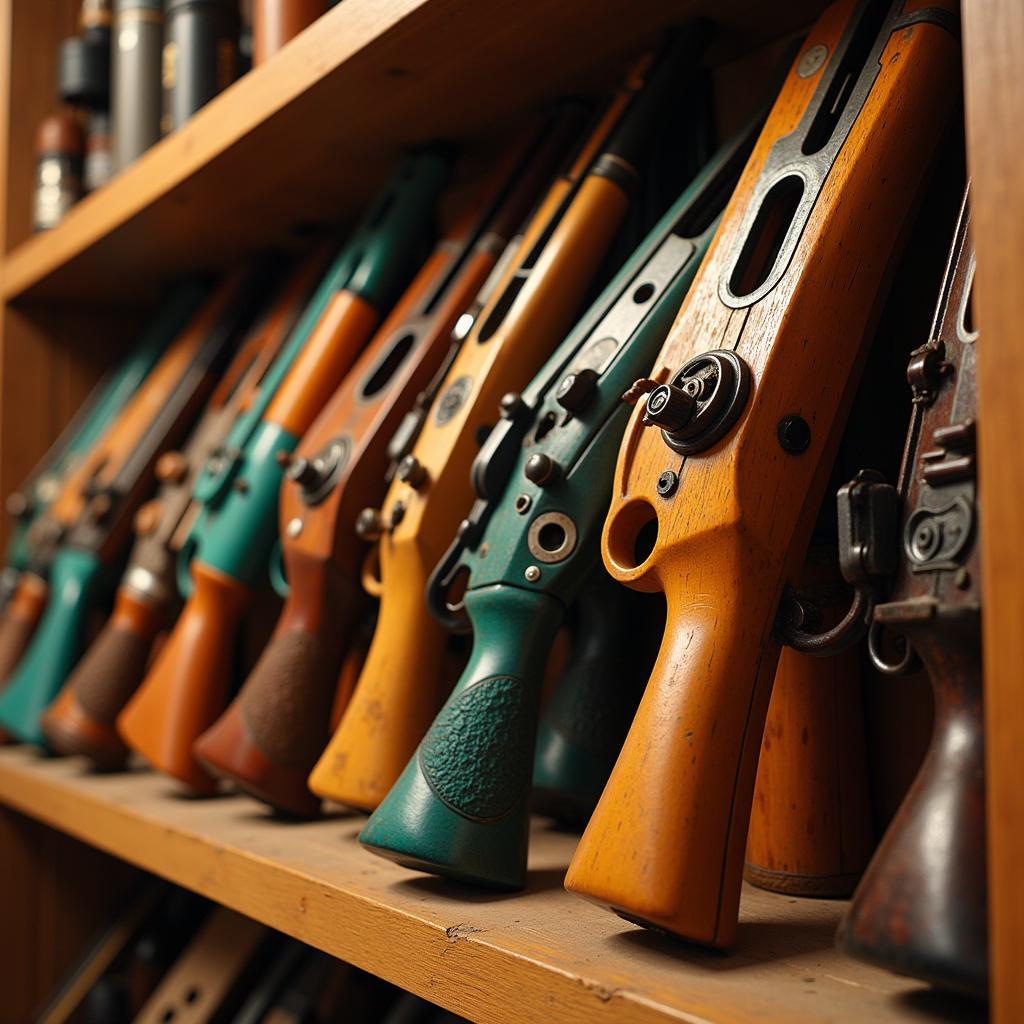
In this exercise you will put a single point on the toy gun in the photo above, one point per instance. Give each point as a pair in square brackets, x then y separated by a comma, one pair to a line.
[229, 545]
[88, 526]
[725, 462]
[339, 468]
[544, 285]
[29, 504]
[811, 832]
[526, 550]
[81, 720]
[920, 909]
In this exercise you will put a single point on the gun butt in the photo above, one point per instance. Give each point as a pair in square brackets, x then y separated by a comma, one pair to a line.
[19, 621]
[55, 645]
[81, 719]
[275, 729]
[188, 684]
[395, 699]
[461, 806]
[665, 844]
[921, 907]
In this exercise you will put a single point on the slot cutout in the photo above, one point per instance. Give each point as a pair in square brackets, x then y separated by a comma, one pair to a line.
[388, 366]
[767, 236]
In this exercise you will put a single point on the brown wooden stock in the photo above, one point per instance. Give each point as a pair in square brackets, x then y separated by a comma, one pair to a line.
[19, 621]
[665, 845]
[323, 562]
[810, 828]
[82, 719]
[274, 22]
[164, 717]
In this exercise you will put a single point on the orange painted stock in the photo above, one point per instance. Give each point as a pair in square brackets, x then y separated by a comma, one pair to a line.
[665, 845]
[811, 832]
[397, 694]
[169, 711]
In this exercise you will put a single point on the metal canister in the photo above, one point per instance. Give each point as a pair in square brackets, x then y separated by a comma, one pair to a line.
[200, 55]
[135, 83]
[274, 22]
[58, 183]
[83, 66]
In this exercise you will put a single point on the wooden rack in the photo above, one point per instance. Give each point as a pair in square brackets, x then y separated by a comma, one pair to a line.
[298, 142]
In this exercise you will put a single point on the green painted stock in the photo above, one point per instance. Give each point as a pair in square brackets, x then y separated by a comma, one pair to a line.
[414, 825]
[460, 807]
[56, 646]
[236, 530]
[106, 401]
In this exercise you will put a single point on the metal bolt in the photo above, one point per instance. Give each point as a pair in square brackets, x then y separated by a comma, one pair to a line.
[412, 472]
[511, 406]
[540, 469]
[668, 407]
[794, 434]
[369, 525]
[523, 503]
[532, 574]
[667, 483]
[576, 390]
[397, 514]
[294, 527]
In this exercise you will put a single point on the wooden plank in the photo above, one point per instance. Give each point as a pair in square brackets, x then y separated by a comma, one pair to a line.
[541, 954]
[304, 137]
[994, 56]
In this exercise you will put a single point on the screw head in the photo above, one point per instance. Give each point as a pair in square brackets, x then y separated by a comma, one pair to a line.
[667, 483]
[794, 434]
[369, 525]
[511, 405]
[411, 471]
[294, 527]
[576, 390]
[523, 503]
[540, 469]
[532, 574]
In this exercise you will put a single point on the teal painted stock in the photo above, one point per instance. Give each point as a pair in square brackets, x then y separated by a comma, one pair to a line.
[236, 529]
[542, 539]
[471, 765]
[74, 576]
[106, 401]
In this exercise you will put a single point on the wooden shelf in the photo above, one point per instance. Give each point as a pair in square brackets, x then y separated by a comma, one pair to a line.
[533, 956]
[303, 139]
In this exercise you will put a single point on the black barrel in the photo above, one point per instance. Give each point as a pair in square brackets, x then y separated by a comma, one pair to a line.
[135, 83]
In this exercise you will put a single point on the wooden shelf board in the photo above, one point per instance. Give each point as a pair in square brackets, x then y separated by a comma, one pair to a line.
[304, 138]
[538, 955]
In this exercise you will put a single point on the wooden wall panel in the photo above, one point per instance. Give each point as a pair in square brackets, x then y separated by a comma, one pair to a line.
[994, 52]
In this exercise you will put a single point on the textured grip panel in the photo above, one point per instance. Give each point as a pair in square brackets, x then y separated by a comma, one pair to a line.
[111, 671]
[286, 701]
[15, 634]
[479, 749]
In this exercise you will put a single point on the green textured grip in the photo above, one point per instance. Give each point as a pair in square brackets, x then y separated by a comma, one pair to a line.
[461, 807]
[55, 647]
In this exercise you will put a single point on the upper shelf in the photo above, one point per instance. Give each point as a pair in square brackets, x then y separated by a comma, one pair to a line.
[303, 138]
[496, 958]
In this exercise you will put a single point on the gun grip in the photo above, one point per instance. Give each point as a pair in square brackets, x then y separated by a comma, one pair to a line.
[397, 695]
[461, 807]
[188, 684]
[271, 735]
[921, 907]
[19, 621]
[81, 719]
[665, 844]
[55, 645]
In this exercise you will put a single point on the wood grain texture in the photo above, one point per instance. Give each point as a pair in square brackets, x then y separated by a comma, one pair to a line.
[994, 51]
[540, 955]
[368, 78]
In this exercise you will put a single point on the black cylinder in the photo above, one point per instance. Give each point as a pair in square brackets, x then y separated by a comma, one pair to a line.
[135, 81]
[58, 184]
[200, 55]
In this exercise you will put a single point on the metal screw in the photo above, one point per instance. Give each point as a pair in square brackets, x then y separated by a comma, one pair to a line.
[540, 469]
[667, 483]
[532, 574]
[794, 434]
[523, 503]
[294, 527]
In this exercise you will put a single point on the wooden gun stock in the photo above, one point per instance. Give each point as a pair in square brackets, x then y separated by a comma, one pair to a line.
[755, 382]
[921, 908]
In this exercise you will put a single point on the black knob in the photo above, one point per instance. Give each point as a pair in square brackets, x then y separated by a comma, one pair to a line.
[304, 472]
[668, 407]
[576, 390]
[412, 472]
[540, 469]
[397, 514]
[369, 525]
